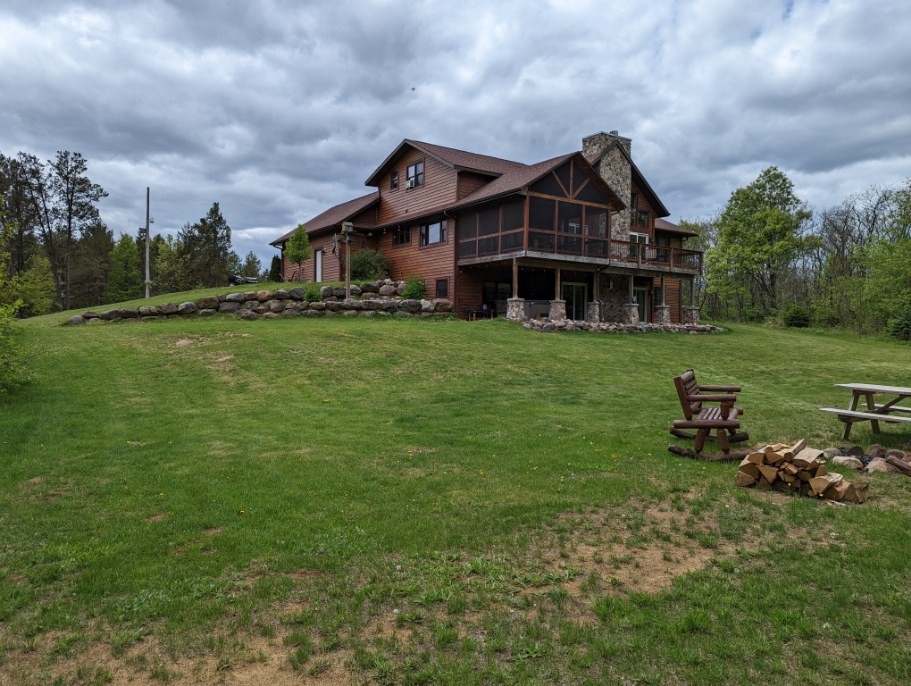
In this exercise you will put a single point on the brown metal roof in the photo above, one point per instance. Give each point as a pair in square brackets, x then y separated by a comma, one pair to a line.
[663, 225]
[334, 215]
[451, 157]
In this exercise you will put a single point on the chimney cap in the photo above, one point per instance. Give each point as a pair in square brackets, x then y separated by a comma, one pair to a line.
[615, 132]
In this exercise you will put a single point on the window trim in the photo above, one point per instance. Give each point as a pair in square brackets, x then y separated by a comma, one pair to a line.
[401, 235]
[445, 282]
[424, 234]
[394, 180]
[413, 173]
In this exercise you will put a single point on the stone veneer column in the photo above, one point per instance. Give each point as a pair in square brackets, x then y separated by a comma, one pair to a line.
[690, 315]
[557, 310]
[663, 314]
[515, 309]
[593, 312]
[631, 313]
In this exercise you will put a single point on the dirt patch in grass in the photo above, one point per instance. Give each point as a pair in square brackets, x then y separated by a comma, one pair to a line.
[214, 531]
[249, 661]
[158, 517]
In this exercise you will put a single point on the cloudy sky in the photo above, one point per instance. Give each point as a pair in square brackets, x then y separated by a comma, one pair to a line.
[278, 109]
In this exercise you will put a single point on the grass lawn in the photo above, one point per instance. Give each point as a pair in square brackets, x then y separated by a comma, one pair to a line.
[408, 501]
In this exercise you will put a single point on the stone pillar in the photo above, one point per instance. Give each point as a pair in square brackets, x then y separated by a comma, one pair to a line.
[663, 314]
[690, 315]
[593, 312]
[515, 309]
[557, 310]
[631, 314]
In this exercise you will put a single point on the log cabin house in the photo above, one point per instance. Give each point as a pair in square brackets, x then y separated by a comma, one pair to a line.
[580, 236]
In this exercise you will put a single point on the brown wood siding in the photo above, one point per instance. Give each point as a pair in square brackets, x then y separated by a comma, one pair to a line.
[430, 263]
[440, 183]
[644, 206]
[468, 183]
[331, 268]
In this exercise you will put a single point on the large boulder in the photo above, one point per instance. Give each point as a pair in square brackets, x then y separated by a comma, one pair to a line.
[167, 308]
[247, 314]
[847, 462]
[442, 305]
[878, 464]
[208, 303]
[186, 308]
[410, 306]
[75, 320]
[109, 315]
[387, 290]
[207, 312]
[427, 306]
[129, 312]
[264, 296]
[235, 297]
[326, 292]
[148, 311]
[282, 294]
[228, 306]
[352, 304]
[296, 293]
[369, 287]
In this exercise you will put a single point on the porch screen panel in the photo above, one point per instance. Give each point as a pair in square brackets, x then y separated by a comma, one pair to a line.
[541, 213]
[468, 225]
[595, 222]
[513, 215]
[488, 246]
[511, 240]
[488, 221]
[569, 217]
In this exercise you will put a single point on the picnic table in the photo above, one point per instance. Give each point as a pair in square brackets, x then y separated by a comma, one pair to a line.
[888, 410]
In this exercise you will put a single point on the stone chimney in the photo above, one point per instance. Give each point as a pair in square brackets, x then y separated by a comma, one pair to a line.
[616, 171]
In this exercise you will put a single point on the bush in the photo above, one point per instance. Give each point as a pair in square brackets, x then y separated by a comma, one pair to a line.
[900, 325]
[415, 289]
[368, 265]
[795, 316]
[311, 292]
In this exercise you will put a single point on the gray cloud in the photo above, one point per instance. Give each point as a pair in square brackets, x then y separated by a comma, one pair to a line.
[277, 109]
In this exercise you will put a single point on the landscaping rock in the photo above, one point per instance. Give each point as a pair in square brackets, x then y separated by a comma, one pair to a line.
[264, 296]
[167, 308]
[210, 303]
[442, 305]
[369, 287]
[129, 312]
[247, 314]
[426, 306]
[831, 452]
[229, 306]
[387, 290]
[875, 450]
[355, 290]
[91, 314]
[847, 462]
[326, 292]
[290, 313]
[207, 312]
[186, 308]
[878, 464]
[76, 320]
[319, 306]
[411, 306]
[148, 311]
[853, 450]
[109, 315]
[235, 297]
[296, 293]
[282, 294]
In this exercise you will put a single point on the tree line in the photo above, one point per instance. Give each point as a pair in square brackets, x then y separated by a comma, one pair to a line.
[769, 256]
[58, 254]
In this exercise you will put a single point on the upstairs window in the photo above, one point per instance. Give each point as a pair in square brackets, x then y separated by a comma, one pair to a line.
[401, 235]
[433, 233]
[415, 176]
[394, 181]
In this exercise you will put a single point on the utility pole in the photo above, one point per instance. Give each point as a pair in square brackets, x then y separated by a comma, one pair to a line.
[148, 272]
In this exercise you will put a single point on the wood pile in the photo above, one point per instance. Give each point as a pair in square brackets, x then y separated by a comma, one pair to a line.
[797, 468]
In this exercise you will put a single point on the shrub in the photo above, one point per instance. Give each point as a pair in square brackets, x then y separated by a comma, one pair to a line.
[368, 265]
[795, 316]
[415, 289]
[311, 292]
[899, 326]
[275, 270]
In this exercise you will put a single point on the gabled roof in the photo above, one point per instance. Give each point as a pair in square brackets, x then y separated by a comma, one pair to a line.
[640, 179]
[663, 225]
[459, 160]
[335, 215]
[525, 175]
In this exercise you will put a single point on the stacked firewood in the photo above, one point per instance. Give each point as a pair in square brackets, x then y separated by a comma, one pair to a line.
[797, 468]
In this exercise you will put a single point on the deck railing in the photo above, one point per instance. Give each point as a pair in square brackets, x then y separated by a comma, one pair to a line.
[579, 245]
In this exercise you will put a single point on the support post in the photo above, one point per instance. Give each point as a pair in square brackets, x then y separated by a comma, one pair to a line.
[515, 278]
[148, 277]
[663, 310]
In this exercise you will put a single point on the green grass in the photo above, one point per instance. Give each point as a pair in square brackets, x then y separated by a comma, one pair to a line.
[434, 502]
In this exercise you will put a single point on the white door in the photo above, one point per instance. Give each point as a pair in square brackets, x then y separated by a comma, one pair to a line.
[318, 266]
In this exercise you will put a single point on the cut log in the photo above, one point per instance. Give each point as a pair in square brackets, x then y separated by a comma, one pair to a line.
[806, 457]
[790, 468]
[756, 457]
[774, 458]
[840, 490]
[900, 465]
[744, 479]
[821, 484]
[749, 468]
[769, 473]
[786, 477]
[822, 470]
[791, 451]
[805, 475]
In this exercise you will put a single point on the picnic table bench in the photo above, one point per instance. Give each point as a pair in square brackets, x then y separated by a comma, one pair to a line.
[890, 412]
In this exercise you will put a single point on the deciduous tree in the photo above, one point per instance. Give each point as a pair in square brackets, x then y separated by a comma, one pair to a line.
[297, 249]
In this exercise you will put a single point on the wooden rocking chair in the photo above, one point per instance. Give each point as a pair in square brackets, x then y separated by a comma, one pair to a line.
[722, 417]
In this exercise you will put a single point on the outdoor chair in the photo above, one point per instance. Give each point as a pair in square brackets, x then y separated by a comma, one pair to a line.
[707, 408]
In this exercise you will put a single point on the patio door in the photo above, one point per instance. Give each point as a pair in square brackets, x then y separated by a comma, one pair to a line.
[575, 295]
[642, 300]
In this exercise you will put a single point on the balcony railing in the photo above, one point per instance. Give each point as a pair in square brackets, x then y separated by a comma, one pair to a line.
[579, 245]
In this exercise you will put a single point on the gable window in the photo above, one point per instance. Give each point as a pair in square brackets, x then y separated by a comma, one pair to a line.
[433, 233]
[401, 235]
[415, 175]
[394, 181]
[442, 288]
